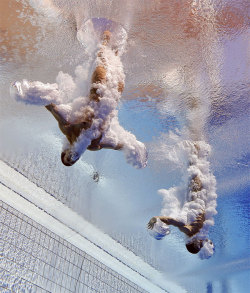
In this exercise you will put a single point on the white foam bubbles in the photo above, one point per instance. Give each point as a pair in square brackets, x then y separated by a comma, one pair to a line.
[195, 202]
[69, 94]
[160, 230]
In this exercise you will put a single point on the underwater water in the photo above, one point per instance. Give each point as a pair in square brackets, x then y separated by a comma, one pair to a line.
[186, 71]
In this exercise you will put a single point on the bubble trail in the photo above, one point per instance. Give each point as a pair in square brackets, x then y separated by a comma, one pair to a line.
[88, 122]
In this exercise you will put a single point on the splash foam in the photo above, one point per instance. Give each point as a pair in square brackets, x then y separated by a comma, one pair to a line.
[68, 93]
[195, 154]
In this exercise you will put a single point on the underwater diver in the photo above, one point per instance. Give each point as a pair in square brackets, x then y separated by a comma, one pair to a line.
[195, 205]
[73, 130]
[193, 245]
[88, 122]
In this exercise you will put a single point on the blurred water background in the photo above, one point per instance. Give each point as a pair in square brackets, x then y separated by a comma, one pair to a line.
[187, 73]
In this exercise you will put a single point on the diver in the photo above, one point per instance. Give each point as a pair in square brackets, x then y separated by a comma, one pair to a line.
[195, 210]
[194, 244]
[73, 130]
[88, 123]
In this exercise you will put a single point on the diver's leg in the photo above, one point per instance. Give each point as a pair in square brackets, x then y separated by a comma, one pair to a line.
[195, 184]
[56, 113]
[100, 72]
[116, 147]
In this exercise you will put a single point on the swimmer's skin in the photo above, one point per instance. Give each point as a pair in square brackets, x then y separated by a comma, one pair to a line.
[193, 245]
[195, 184]
[190, 229]
[73, 130]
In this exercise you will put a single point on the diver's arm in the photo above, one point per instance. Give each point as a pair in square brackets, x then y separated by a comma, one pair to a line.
[71, 130]
[166, 220]
[36, 92]
[72, 127]
[171, 221]
[56, 113]
[189, 230]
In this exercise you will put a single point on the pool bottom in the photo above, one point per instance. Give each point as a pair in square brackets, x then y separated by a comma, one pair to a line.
[35, 259]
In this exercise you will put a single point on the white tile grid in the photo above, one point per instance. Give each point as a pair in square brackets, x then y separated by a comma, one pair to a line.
[33, 259]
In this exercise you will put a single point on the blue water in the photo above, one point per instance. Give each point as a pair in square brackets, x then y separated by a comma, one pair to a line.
[167, 51]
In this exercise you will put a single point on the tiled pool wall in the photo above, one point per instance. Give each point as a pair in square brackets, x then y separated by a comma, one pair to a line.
[34, 259]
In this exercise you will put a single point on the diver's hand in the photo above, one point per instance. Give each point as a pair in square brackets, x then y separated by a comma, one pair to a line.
[152, 222]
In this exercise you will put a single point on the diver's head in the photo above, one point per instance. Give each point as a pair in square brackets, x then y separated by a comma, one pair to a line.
[69, 157]
[194, 246]
[205, 247]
